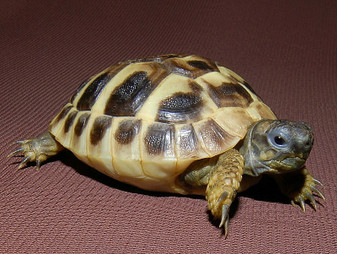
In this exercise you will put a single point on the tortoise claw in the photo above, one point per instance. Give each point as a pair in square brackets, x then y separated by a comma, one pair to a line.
[16, 151]
[317, 192]
[293, 203]
[20, 142]
[302, 204]
[312, 202]
[225, 218]
[23, 151]
[317, 182]
[23, 163]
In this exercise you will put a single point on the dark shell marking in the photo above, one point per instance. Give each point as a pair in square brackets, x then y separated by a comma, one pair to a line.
[127, 130]
[202, 65]
[127, 98]
[229, 95]
[180, 107]
[70, 120]
[82, 122]
[195, 87]
[79, 89]
[159, 138]
[92, 92]
[64, 112]
[99, 128]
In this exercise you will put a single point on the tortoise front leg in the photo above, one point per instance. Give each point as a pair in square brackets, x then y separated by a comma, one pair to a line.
[223, 185]
[300, 187]
[37, 149]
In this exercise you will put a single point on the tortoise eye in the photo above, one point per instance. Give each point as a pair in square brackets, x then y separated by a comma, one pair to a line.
[279, 140]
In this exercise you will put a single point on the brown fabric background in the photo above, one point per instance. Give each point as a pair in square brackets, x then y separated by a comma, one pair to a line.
[287, 50]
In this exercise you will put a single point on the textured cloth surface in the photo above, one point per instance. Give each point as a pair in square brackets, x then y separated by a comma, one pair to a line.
[286, 50]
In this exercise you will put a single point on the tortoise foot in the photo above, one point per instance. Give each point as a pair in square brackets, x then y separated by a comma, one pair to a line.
[37, 149]
[301, 188]
[307, 193]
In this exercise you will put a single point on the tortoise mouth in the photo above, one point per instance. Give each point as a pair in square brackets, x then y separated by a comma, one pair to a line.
[289, 163]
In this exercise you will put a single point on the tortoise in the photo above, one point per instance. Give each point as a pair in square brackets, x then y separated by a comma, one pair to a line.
[181, 124]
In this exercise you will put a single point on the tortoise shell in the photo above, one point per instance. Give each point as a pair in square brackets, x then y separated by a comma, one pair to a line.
[144, 121]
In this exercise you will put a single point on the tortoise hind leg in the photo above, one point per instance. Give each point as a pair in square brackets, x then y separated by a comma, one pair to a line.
[37, 149]
[224, 184]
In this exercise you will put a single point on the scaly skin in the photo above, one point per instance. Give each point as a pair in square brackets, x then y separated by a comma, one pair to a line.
[224, 184]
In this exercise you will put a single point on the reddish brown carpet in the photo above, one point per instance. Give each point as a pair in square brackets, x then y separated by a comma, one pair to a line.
[287, 50]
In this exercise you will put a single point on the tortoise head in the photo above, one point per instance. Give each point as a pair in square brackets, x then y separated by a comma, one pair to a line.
[276, 146]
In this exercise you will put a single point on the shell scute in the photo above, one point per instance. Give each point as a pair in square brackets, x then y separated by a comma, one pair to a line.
[127, 130]
[188, 144]
[81, 123]
[180, 107]
[229, 95]
[159, 139]
[99, 128]
[97, 140]
[127, 98]
[69, 120]
[125, 148]
[92, 91]
[213, 138]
